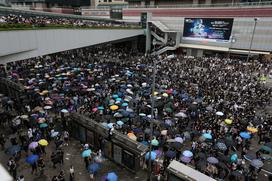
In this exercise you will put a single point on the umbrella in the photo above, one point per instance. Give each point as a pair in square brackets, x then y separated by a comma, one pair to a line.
[43, 125]
[142, 114]
[33, 145]
[54, 134]
[118, 115]
[47, 107]
[164, 132]
[252, 129]
[114, 107]
[24, 116]
[234, 157]
[132, 136]
[13, 149]
[165, 95]
[187, 153]
[124, 104]
[228, 121]
[263, 78]
[185, 159]
[37, 109]
[219, 113]
[154, 142]
[153, 155]
[94, 109]
[64, 111]
[266, 148]
[169, 110]
[94, 167]
[120, 123]
[212, 160]
[256, 163]
[86, 153]
[179, 140]
[236, 173]
[100, 108]
[158, 153]
[112, 176]
[168, 122]
[207, 136]
[221, 146]
[245, 135]
[41, 120]
[170, 154]
[115, 96]
[181, 115]
[43, 142]
[32, 159]
[110, 125]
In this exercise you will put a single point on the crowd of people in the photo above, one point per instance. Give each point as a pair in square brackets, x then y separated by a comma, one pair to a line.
[43, 21]
[205, 109]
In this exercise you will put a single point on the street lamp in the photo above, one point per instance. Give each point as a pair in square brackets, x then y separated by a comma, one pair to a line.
[155, 62]
[252, 37]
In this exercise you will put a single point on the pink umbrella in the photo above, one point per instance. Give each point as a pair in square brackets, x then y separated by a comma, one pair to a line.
[94, 109]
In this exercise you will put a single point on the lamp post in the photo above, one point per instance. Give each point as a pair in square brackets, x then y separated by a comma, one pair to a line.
[252, 37]
[154, 72]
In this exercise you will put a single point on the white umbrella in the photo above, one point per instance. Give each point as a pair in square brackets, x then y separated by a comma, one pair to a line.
[24, 116]
[219, 113]
[47, 107]
[181, 115]
[64, 111]
[129, 91]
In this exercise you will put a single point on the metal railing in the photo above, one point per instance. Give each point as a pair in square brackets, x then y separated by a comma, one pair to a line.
[215, 5]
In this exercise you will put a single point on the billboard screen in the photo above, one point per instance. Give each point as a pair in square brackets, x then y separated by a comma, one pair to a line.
[208, 29]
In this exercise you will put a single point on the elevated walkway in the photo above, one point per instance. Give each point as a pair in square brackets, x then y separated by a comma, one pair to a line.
[19, 45]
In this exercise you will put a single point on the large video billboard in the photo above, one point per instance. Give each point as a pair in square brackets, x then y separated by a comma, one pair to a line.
[208, 29]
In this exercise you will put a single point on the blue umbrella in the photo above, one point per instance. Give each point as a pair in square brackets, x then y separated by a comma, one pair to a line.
[187, 153]
[120, 123]
[110, 125]
[207, 135]
[13, 149]
[86, 153]
[118, 99]
[234, 157]
[153, 155]
[137, 130]
[115, 96]
[212, 160]
[112, 176]
[94, 167]
[43, 125]
[32, 159]
[245, 135]
[124, 104]
[256, 163]
[100, 108]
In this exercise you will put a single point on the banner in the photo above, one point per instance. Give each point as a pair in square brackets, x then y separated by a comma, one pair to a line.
[207, 29]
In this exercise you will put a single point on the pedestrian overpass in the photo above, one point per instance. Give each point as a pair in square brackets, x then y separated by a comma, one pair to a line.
[23, 44]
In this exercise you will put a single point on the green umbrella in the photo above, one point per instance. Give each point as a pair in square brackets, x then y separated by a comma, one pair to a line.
[263, 78]
[266, 148]
[169, 110]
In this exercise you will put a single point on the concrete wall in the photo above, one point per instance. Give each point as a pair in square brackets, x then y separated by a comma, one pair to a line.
[19, 45]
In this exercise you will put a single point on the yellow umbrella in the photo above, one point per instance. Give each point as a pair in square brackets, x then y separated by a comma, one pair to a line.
[165, 95]
[43, 142]
[155, 93]
[228, 121]
[252, 129]
[45, 92]
[114, 107]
